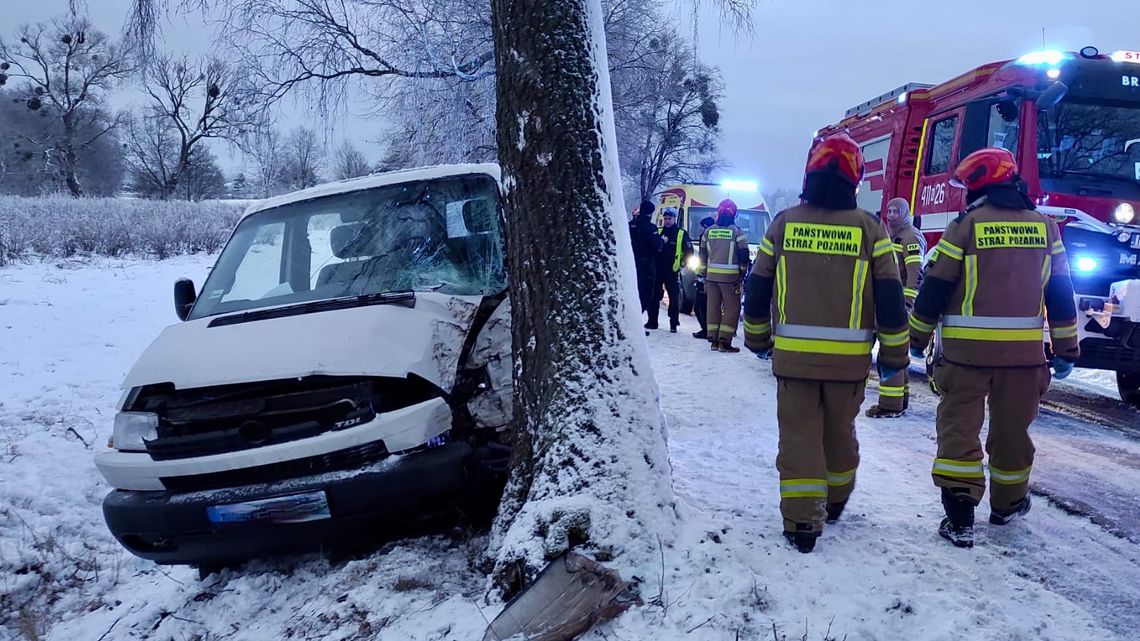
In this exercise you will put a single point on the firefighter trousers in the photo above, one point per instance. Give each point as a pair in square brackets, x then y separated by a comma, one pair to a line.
[723, 310]
[1014, 394]
[894, 393]
[818, 448]
[668, 282]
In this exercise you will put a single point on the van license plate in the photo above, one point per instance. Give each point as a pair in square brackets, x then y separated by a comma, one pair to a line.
[295, 508]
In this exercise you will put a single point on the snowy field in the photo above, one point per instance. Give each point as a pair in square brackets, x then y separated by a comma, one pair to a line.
[70, 330]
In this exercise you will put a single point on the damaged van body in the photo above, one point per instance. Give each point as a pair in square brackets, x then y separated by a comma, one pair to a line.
[345, 371]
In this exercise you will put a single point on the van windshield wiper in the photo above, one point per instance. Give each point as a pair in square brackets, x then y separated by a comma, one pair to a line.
[401, 298]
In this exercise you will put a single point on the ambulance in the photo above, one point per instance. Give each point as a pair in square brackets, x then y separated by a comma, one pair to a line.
[1072, 119]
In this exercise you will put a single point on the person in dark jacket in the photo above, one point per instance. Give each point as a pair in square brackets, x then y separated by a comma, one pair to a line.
[675, 251]
[646, 246]
[702, 297]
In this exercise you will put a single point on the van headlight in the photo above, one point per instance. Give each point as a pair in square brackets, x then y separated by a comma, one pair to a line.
[1124, 214]
[132, 429]
[694, 263]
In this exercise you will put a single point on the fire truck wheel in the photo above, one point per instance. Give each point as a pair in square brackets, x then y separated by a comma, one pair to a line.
[1128, 383]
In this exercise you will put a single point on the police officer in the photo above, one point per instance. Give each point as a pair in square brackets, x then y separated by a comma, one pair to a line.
[675, 250]
[998, 272]
[646, 245]
[701, 304]
[724, 262]
[909, 249]
[831, 269]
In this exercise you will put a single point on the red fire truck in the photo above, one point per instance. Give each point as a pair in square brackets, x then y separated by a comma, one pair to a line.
[1073, 122]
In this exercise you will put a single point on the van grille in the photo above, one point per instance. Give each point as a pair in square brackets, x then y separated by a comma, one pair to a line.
[350, 458]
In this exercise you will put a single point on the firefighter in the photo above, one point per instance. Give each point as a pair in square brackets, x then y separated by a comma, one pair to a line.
[909, 249]
[830, 267]
[724, 262]
[675, 250]
[646, 245]
[700, 306]
[998, 272]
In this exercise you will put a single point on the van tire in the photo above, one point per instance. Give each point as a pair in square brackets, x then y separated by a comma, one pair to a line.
[1128, 384]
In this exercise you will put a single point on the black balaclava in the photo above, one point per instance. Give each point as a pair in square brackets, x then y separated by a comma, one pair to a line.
[829, 191]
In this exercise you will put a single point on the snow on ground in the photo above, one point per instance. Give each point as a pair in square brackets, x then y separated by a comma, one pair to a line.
[69, 332]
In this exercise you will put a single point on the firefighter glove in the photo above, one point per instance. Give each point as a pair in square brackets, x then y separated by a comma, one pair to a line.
[1061, 367]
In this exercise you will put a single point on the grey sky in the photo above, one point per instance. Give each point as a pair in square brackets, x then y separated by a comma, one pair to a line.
[806, 63]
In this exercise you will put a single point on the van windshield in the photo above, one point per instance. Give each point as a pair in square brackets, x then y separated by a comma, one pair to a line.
[754, 223]
[433, 235]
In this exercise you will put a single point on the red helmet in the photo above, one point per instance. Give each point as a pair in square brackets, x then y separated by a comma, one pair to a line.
[726, 206]
[838, 154]
[985, 167]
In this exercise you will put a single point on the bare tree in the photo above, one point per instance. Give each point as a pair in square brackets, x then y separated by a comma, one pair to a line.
[64, 68]
[673, 132]
[150, 148]
[349, 162]
[197, 101]
[781, 199]
[589, 467]
[263, 148]
[303, 159]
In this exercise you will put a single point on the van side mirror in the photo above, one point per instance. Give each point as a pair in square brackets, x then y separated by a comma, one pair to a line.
[184, 297]
[1049, 98]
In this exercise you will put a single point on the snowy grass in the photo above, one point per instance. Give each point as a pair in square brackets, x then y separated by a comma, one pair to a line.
[61, 227]
[69, 330]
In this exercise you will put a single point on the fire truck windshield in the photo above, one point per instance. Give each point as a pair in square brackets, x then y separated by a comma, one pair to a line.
[1082, 137]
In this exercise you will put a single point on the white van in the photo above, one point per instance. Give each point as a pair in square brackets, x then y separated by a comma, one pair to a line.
[344, 371]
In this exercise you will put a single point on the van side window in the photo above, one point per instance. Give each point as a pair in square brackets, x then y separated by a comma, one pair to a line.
[941, 145]
[1005, 125]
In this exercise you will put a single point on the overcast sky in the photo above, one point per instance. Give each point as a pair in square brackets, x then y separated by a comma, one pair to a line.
[806, 63]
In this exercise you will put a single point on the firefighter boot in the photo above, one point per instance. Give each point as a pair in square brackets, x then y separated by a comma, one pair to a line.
[835, 510]
[1004, 517]
[958, 526]
[714, 345]
[803, 539]
[726, 346]
[701, 334]
[877, 411]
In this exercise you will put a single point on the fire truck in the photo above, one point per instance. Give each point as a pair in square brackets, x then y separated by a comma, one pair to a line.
[1072, 119]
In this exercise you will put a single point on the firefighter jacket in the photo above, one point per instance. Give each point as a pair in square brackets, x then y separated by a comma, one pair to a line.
[675, 251]
[909, 249]
[995, 275]
[835, 283]
[724, 254]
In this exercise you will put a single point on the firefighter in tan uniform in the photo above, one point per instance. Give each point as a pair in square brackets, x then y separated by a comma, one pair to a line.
[724, 262]
[830, 269]
[998, 273]
[909, 248]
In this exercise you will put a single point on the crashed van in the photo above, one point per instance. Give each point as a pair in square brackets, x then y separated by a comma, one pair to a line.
[344, 371]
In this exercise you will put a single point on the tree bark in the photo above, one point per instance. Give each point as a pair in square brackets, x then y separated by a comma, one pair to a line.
[590, 468]
[69, 160]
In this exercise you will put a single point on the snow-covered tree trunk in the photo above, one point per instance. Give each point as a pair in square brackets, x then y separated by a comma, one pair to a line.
[590, 468]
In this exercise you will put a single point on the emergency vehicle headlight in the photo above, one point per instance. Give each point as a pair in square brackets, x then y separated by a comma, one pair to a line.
[1086, 264]
[133, 429]
[694, 263]
[1124, 214]
[1051, 58]
[739, 185]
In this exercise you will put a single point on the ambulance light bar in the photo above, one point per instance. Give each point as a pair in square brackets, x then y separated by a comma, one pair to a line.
[740, 185]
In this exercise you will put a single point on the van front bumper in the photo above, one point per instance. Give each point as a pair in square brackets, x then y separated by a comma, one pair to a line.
[385, 499]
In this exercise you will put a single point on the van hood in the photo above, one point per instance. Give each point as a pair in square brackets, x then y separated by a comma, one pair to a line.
[371, 340]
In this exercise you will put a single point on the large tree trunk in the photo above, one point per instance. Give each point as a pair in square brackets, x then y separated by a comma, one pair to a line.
[69, 160]
[590, 468]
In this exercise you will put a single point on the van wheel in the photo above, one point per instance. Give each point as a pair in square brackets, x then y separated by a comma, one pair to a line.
[1128, 383]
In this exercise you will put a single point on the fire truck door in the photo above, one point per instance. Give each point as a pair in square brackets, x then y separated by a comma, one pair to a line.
[935, 202]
